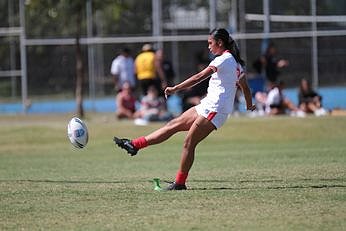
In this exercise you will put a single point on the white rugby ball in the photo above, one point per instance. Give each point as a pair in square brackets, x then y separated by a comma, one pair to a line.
[77, 132]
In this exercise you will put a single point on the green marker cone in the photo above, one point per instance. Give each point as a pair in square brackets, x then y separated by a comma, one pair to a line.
[157, 184]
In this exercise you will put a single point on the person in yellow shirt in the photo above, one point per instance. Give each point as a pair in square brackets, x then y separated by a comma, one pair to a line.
[148, 69]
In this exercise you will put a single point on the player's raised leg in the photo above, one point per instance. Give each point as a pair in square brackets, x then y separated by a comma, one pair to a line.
[181, 123]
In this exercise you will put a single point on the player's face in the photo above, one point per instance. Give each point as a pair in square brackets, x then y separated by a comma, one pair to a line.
[213, 46]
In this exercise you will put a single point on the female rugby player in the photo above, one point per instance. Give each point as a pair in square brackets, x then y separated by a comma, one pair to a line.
[226, 72]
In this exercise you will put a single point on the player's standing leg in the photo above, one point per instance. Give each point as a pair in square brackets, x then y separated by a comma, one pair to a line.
[199, 130]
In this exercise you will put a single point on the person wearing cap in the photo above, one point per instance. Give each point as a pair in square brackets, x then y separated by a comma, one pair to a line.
[148, 70]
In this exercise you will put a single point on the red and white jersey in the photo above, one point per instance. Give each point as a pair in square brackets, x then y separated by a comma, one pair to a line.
[222, 84]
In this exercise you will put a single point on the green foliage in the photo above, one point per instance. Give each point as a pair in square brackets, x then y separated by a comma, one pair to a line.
[53, 18]
[58, 18]
[253, 174]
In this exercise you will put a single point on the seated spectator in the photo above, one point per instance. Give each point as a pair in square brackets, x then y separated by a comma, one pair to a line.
[309, 100]
[153, 107]
[126, 102]
[275, 102]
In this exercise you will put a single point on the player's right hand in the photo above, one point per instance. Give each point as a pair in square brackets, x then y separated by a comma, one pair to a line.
[169, 91]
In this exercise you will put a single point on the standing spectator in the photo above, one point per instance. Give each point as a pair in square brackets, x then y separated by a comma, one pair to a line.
[271, 64]
[122, 70]
[165, 68]
[203, 58]
[309, 100]
[147, 67]
[126, 102]
[193, 95]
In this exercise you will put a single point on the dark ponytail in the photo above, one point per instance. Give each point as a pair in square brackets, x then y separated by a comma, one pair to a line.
[228, 42]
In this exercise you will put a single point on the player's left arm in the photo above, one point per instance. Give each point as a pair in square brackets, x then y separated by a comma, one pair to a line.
[242, 83]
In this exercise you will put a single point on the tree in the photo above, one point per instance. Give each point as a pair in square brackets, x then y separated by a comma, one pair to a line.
[66, 18]
[79, 61]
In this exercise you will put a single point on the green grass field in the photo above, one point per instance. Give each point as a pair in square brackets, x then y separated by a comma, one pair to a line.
[253, 174]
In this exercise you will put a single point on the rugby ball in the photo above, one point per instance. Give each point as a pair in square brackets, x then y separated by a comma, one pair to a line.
[77, 132]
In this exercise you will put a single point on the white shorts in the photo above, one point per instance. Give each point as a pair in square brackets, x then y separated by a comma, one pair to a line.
[217, 118]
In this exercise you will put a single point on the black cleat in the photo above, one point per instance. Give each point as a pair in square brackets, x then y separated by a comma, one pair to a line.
[175, 186]
[127, 145]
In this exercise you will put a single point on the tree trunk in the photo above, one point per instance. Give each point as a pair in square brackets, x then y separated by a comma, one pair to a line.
[79, 70]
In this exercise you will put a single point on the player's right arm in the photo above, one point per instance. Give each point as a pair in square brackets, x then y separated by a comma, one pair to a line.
[191, 81]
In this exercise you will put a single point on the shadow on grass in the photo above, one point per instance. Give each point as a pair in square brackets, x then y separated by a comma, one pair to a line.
[306, 183]
[269, 180]
[71, 181]
[284, 184]
[270, 187]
